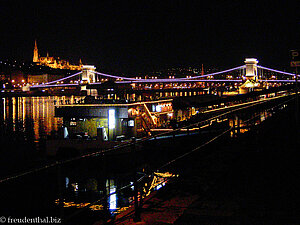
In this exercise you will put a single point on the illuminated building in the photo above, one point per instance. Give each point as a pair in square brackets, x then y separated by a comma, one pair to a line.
[52, 62]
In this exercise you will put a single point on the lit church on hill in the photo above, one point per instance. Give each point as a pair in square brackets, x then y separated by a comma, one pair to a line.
[52, 62]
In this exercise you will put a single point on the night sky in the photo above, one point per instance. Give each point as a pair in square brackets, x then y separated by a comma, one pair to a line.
[132, 36]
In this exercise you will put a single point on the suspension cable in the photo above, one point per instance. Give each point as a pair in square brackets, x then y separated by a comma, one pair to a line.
[52, 82]
[277, 71]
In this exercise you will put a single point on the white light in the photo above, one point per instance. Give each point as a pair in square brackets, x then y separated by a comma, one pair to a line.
[170, 114]
[131, 123]
[158, 108]
[132, 186]
[113, 199]
[251, 60]
[158, 187]
[67, 182]
[111, 119]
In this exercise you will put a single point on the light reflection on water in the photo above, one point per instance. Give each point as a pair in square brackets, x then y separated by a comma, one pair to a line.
[110, 185]
[118, 201]
[243, 125]
[32, 115]
[36, 114]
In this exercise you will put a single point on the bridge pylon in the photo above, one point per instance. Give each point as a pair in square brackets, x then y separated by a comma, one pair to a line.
[88, 74]
[251, 82]
[251, 69]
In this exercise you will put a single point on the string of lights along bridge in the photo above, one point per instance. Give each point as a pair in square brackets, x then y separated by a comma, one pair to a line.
[250, 74]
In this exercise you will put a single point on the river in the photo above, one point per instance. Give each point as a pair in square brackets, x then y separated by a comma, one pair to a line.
[25, 121]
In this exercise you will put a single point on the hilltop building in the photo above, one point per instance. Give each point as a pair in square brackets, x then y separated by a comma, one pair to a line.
[52, 62]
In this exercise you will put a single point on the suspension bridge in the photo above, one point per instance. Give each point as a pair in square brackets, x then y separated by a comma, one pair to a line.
[251, 72]
[194, 132]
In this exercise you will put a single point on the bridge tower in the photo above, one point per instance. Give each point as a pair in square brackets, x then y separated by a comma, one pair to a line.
[251, 69]
[251, 82]
[88, 74]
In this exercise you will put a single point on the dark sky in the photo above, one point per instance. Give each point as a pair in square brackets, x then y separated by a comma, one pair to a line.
[128, 36]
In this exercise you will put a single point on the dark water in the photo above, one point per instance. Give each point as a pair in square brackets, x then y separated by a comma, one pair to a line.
[25, 121]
